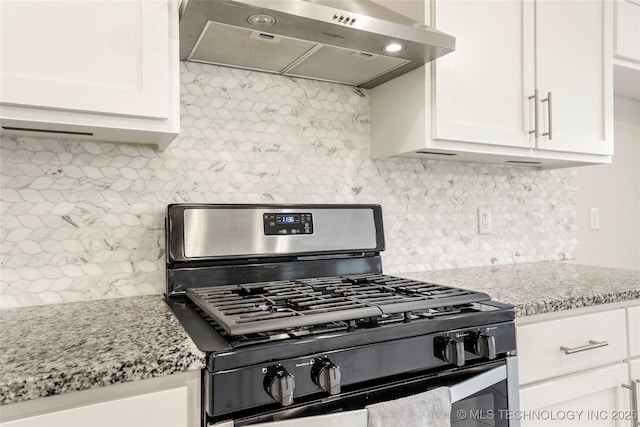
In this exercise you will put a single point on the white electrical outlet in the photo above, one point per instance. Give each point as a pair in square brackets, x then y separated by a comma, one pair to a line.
[484, 220]
[594, 219]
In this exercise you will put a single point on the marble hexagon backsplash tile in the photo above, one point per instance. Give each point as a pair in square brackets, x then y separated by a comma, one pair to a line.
[85, 220]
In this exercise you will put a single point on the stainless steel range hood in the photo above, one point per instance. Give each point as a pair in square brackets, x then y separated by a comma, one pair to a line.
[340, 41]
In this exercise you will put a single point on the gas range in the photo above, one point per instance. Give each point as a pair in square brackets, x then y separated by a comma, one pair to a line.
[293, 311]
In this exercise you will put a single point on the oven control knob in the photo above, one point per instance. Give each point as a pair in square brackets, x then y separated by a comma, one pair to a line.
[450, 350]
[279, 384]
[326, 375]
[482, 345]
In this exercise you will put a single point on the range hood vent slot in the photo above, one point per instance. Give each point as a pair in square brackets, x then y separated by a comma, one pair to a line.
[334, 41]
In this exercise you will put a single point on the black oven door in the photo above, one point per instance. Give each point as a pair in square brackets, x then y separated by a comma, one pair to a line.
[482, 395]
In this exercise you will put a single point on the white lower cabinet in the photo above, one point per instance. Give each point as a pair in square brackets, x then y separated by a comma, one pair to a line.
[631, 402]
[634, 381]
[172, 401]
[577, 366]
[592, 398]
[633, 326]
[633, 330]
[553, 347]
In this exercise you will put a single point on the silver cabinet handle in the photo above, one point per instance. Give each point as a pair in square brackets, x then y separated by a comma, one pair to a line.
[535, 98]
[550, 132]
[592, 345]
[635, 393]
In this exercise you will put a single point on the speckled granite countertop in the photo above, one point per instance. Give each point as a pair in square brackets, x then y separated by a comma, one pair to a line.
[542, 287]
[52, 349]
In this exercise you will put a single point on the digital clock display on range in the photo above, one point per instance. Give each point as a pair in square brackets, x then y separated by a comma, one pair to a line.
[287, 219]
[287, 224]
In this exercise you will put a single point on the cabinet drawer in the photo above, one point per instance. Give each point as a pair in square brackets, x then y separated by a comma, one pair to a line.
[541, 355]
[587, 395]
[633, 325]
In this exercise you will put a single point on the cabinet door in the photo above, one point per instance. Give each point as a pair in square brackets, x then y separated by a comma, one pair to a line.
[164, 408]
[627, 34]
[633, 328]
[634, 375]
[94, 56]
[481, 89]
[574, 57]
[587, 399]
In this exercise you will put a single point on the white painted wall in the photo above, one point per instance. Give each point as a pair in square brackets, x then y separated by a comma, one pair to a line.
[615, 190]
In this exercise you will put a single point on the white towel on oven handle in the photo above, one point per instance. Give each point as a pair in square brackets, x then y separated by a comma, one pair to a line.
[429, 409]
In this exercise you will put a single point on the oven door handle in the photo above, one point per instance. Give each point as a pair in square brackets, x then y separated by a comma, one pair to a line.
[478, 383]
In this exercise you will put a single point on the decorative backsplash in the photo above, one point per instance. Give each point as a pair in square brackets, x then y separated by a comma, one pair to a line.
[84, 220]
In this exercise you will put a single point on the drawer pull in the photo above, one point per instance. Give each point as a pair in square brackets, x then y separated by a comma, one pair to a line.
[635, 394]
[592, 345]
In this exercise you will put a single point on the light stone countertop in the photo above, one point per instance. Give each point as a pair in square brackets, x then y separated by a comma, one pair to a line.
[52, 349]
[542, 287]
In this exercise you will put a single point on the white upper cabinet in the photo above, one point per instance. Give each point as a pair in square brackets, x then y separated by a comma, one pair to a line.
[627, 48]
[574, 67]
[98, 70]
[79, 59]
[627, 34]
[481, 89]
[479, 103]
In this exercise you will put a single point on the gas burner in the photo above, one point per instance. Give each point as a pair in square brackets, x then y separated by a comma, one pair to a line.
[300, 304]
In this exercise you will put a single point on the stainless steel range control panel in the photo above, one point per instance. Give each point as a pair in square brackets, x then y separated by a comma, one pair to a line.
[287, 223]
[217, 231]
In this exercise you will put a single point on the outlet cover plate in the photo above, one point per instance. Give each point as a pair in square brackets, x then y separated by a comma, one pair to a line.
[484, 220]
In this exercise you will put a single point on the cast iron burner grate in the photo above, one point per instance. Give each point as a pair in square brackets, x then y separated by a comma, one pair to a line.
[280, 305]
[330, 329]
